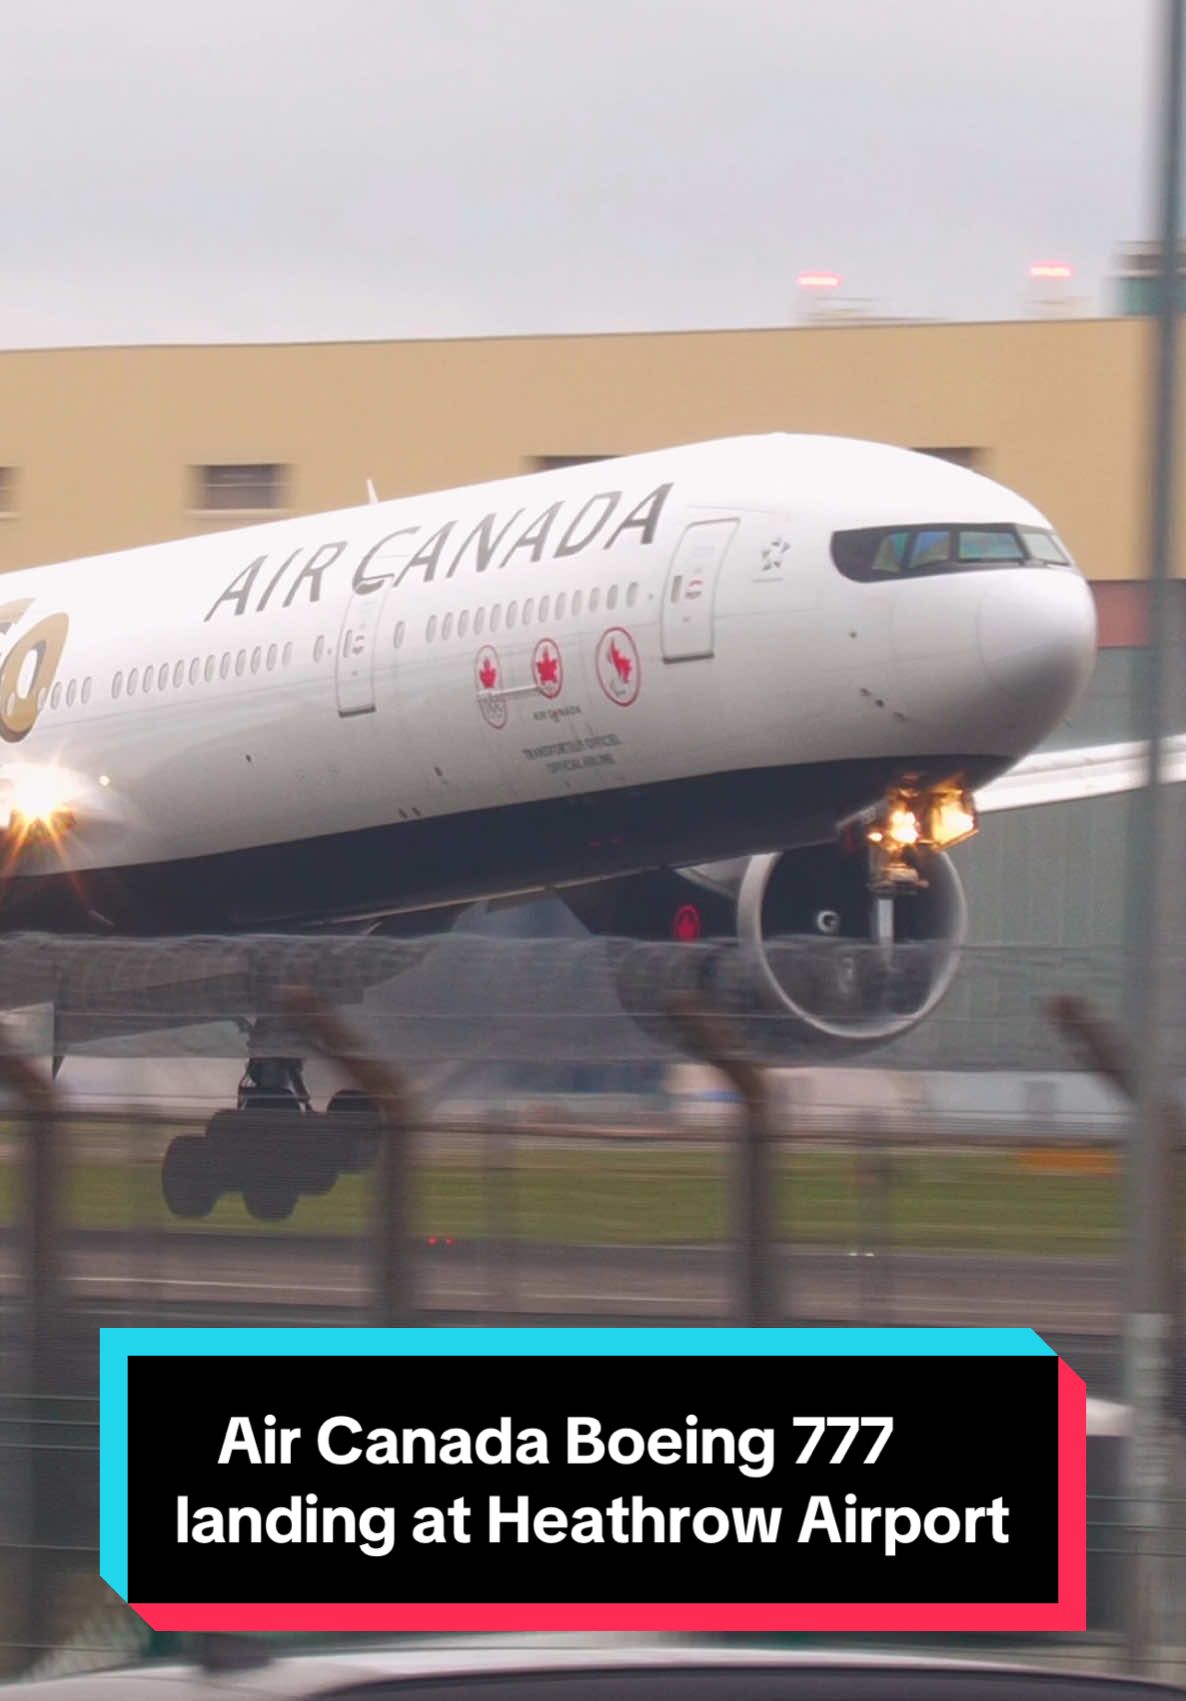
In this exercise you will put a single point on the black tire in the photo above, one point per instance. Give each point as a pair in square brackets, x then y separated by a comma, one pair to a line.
[353, 1128]
[270, 1201]
[190, 1179]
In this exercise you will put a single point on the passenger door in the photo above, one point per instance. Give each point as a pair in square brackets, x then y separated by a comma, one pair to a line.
[690, 591]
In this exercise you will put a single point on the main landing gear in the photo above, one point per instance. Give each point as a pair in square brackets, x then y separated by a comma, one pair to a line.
[273, 1147]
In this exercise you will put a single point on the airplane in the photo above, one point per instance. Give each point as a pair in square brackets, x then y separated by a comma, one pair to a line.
[746, 691]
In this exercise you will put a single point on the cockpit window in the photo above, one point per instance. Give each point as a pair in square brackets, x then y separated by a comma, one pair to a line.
[880, 552]
[930, 548]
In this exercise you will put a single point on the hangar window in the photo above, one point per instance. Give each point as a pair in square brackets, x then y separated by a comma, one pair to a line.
[239, 487]
[882, 552]
[117, 685]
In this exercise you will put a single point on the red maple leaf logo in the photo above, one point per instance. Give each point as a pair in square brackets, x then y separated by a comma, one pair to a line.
[548, 668]
[623, 666]
[488, 674]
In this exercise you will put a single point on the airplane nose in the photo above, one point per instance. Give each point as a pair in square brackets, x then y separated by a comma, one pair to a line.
[1037, 636]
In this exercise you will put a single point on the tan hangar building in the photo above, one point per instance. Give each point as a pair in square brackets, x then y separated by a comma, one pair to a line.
[105, 448]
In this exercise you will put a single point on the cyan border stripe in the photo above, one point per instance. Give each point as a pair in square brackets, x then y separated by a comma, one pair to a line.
[116, 1346]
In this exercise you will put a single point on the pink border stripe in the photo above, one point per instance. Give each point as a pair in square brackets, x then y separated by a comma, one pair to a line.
[1068, 1612]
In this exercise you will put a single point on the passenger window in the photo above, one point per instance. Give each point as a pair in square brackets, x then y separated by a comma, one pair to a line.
[512, 615]
[195, 669]
[179, 676]
[560, 602]
[496, 617]
[257, 655]
[544, 605]
[272, 653]
[162, 678]
[85, 693]
[208, 670]
[447, 627]
[479, 621]
[399, 635]
[677, 585]
[55, 696]
[527, 608]
[149, 677]
[240, 664]
[133, 681]
[463, 623]
[318, 650]
[594, 599]
[576, 603]
[632, 595]
[431, 631]
[287, 655]
[117, 685]
[611, 598]
[224, 666]
[41, 696]
[70, 694]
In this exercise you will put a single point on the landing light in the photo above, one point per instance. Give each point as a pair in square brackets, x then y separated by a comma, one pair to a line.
[39, 806]
[911, 821]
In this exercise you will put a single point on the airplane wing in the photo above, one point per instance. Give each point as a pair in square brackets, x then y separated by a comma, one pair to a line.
[1062, 776]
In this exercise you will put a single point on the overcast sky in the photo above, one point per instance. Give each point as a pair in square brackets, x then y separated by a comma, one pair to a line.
[276, 170]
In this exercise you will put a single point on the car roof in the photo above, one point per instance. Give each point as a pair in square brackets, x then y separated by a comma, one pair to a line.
[314, 1673]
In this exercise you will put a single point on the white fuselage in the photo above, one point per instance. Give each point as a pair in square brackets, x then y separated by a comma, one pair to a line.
[650, 659]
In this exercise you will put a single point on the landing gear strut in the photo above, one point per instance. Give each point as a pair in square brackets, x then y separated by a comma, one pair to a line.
[272, 1148]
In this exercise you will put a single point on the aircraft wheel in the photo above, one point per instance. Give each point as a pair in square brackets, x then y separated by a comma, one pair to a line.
[189, 1179]
[270, 1201]
[357, 1130]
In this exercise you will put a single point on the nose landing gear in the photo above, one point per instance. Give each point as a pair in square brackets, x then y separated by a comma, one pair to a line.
[272, 1148]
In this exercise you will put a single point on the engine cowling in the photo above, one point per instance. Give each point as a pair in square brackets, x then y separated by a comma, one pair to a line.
[792, 945]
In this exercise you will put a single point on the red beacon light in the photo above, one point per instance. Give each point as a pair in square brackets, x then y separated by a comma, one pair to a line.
[818, 280]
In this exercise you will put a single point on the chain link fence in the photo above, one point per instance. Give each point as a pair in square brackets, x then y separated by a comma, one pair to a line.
[544, 1159]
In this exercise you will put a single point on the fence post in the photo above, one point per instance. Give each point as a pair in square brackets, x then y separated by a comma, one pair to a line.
[40, 1204]
[1152, 1260]
[759, 1302]
[394, 1297]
